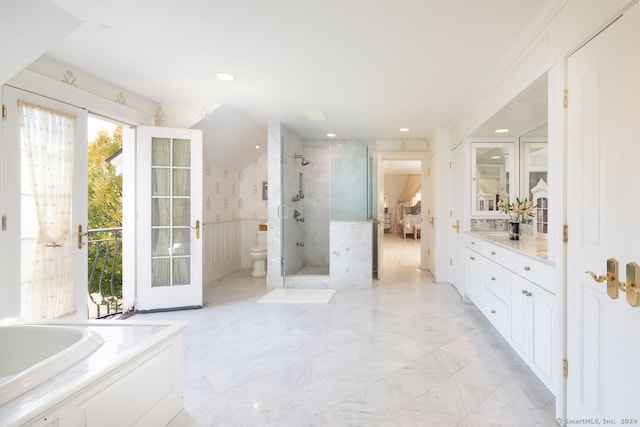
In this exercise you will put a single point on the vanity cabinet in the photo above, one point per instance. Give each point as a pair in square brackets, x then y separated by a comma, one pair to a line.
[517, 293]
[533, 329]
[474, 274]
[497, 311]
[496, 293]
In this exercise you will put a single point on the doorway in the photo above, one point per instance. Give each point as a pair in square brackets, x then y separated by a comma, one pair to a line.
[402, 186]
[105, 232]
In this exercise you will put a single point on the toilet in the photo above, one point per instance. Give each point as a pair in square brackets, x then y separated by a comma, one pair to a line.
[259, 254]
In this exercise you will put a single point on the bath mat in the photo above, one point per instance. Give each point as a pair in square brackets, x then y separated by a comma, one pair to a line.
[298, 296]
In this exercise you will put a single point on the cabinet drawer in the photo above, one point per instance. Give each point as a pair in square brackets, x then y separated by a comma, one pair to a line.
[475, 243]
[497, 312]
[497, 254]
[538, 272]
[497, 281]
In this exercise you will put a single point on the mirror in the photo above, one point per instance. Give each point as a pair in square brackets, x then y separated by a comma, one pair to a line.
[492, 175]
[524, 121]
[534, 168]
[534, 160]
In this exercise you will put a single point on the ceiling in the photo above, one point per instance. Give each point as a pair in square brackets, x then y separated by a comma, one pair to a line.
[371, 67]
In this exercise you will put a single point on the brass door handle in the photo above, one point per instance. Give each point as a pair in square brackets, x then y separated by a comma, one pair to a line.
[600, 279]
[611, 278]
[614, 285]
[197, 228]
[431, 221]
[631, 285]
[457, 226]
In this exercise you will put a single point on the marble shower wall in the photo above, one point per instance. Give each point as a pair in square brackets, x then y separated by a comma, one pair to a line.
[293, 230]
[317, 209]
[350, 180]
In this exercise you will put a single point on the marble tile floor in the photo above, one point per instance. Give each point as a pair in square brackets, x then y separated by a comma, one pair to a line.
[408, 352]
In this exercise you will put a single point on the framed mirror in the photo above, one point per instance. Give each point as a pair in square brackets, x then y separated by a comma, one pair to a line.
[534, 171]
[492, 176]
[534, 160]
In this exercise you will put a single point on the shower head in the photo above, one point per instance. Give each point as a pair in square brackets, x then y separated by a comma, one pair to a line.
[303, 161]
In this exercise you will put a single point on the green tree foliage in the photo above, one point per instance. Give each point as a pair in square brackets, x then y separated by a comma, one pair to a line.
[105, 211]
[105, 187]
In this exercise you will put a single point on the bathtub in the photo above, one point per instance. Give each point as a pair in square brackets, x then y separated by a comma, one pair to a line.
[31, 354]
[94, 373]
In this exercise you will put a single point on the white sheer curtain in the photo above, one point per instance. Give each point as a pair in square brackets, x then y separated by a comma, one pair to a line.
[414, 182]
[47, 144]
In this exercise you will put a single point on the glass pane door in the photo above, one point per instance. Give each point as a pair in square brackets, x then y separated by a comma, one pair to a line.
[170, 226]
[170, 211]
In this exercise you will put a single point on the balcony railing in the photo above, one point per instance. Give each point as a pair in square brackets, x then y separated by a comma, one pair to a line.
[105, 272]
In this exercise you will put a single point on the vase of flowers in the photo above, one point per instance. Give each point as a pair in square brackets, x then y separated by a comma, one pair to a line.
[516, 212]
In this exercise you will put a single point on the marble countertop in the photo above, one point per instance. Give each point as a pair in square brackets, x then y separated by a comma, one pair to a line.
[532, 246]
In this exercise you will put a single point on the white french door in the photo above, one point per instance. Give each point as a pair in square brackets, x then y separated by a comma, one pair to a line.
[602, 209]
[169, 207]
[25, 242]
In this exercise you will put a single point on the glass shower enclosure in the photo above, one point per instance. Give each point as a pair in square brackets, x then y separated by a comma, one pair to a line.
[322, 182]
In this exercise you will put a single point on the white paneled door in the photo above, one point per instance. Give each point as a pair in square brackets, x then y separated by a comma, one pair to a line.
[603, 152]
[43, 199]
[169, 211]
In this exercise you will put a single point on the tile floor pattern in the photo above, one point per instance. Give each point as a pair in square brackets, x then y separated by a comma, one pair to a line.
[408, 352]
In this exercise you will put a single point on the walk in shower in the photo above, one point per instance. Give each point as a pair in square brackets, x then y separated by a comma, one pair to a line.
[306, 193]
[325, 196]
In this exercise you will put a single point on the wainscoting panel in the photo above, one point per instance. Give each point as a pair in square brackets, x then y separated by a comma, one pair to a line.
[221, 249]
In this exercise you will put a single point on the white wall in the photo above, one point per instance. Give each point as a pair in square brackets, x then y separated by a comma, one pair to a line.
[233, 210]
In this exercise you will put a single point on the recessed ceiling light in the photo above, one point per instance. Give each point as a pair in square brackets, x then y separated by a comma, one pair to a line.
[257, 146]
[331, 135]
[404, 129]
[315, 115]
[224, 76]
[503, 130]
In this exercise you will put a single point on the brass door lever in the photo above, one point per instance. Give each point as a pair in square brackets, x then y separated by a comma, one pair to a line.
[611, 277]
[614, 285]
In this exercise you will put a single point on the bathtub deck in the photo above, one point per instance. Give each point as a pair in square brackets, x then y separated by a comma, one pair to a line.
[122, 342]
